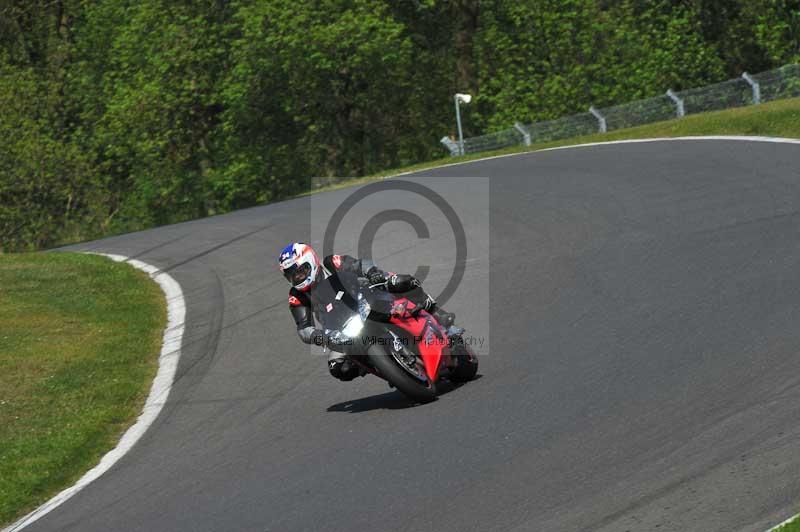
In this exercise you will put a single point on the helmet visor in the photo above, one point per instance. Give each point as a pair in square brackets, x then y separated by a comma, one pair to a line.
[297, 274]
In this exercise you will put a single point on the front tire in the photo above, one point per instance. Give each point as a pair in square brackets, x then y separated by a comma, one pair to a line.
[399, 378]
[466, 363]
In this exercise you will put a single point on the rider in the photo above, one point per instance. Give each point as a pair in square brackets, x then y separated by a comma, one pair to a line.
[302, 268]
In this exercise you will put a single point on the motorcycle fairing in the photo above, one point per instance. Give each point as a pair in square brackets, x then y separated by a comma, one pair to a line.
[430, 337]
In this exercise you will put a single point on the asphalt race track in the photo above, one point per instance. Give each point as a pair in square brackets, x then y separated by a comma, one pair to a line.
[642, 369]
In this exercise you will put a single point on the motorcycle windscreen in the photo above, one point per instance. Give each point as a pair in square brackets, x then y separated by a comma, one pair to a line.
[336, 300]
[334, 303]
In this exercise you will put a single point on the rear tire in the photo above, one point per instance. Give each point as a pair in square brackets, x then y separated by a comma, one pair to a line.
[466, 363]
[399, 378]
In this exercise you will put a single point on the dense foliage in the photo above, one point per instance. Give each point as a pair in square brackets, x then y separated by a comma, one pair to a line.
[122, 114]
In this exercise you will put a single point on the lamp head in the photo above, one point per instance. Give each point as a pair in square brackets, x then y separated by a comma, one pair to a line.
[466, 98]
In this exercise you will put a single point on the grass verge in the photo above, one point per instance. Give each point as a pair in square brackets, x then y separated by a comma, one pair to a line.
[79, 343]
[780, 118]
[791, 526]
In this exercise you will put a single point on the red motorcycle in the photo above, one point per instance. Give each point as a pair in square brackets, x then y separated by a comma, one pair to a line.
[386, 336]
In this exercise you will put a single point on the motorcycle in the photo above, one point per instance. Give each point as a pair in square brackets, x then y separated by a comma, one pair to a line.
[387, 336]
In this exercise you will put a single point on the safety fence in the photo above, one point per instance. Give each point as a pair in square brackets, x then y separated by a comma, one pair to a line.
[749, 89]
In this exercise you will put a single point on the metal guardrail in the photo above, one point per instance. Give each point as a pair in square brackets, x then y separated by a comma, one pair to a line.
[750, 89]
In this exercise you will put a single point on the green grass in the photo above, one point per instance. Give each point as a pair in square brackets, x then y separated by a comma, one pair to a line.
[780, 118]
[792, 526]
[79, 343]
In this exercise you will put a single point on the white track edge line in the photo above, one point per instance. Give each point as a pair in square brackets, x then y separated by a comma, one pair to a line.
[790, 520]
[159, 390]
[779, 140]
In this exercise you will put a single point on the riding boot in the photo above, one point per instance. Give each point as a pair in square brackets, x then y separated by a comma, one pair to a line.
[342, 368]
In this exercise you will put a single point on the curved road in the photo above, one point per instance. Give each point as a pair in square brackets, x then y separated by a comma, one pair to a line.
[643, 373]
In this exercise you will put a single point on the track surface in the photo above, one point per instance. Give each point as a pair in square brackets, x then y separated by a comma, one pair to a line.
[644, 369]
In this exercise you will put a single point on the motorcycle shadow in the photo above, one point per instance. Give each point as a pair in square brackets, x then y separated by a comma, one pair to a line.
[391, 400]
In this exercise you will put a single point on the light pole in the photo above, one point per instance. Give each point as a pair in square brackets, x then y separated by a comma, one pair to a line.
[466, 98]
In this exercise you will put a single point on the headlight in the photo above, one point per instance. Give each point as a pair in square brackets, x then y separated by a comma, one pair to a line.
[363, 308]
[352, 327]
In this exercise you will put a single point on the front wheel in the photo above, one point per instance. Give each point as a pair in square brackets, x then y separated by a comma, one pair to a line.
[389, 369]
[466, 363]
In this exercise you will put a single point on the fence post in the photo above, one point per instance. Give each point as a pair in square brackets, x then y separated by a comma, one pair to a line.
[601, 120]
[451, 145]
[678, 103]
[526, 135]
[755, 86]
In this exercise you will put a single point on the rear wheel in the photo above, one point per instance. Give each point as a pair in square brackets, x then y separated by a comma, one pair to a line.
[466, 363]
[411, 381]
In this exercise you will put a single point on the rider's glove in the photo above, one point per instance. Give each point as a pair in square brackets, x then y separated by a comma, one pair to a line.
[376, 276]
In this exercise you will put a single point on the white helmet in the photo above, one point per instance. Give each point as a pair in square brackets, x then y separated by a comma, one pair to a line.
[300, 265]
